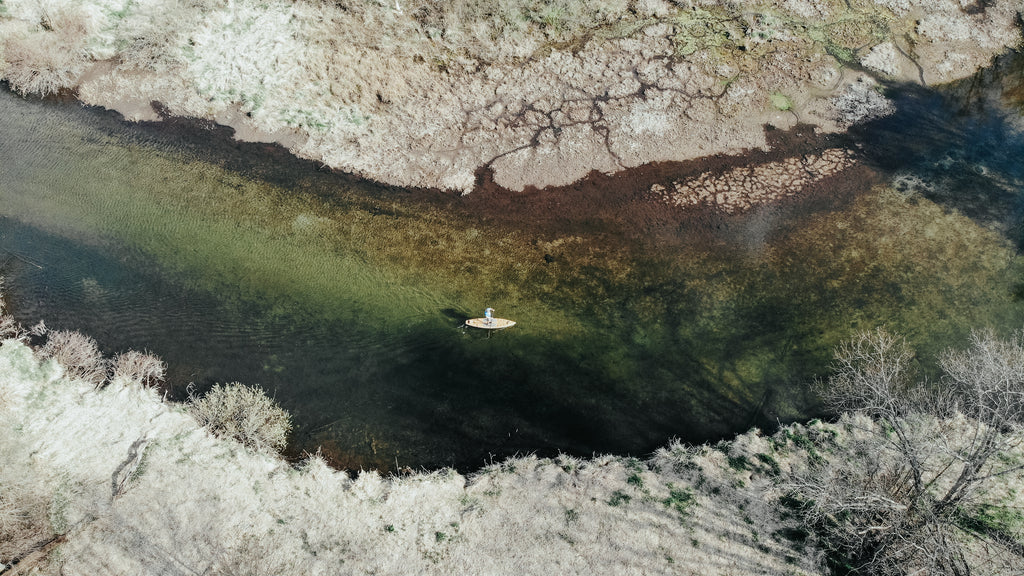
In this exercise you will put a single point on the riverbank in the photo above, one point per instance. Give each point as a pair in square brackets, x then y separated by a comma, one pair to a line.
[541, 94]
[116, 481]
[113, 479]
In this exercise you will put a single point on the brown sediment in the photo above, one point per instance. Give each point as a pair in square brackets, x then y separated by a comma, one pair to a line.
[745, 188]
[621, 205]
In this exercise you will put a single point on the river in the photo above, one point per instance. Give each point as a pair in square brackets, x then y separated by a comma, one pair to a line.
[637, 321]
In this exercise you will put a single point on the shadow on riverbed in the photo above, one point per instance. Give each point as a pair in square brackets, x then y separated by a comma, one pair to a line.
[960, 147]
[476, 397]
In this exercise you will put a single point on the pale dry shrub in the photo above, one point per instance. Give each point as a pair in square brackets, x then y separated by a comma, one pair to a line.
[245, 414]
[10, 328]
[39, 330]
[78, 354]
[49, 58]
[24, 522]
[141, 367]
[25, 506]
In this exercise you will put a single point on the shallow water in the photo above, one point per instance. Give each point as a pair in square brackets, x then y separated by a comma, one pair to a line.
[637, 322]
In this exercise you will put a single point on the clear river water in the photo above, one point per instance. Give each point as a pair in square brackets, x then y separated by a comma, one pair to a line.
[637, 321]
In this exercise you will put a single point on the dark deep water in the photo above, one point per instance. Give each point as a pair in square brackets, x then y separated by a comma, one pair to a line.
[637, 322]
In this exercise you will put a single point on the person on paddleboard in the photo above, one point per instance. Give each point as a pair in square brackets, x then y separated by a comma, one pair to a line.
[487, 314]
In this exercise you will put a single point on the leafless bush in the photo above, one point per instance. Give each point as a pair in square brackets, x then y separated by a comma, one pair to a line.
[140, 367]
[245, 414]
[10, 328]
[78, 354]
[39, 330]
[919, 461]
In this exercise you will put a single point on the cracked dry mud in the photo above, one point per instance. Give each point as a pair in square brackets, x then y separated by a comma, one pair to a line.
[743, 188]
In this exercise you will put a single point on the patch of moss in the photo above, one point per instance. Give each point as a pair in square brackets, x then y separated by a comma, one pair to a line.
[619, 498]
[780, 101]
[680, 500]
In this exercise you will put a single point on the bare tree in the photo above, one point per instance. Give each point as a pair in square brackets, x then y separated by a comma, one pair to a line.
[915, 481]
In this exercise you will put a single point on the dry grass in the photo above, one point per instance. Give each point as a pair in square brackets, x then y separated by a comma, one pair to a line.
[24, 520]
[149, 491]
[424, 92]
[26, 498]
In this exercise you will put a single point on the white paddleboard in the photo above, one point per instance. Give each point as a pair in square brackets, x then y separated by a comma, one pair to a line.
[490, 323]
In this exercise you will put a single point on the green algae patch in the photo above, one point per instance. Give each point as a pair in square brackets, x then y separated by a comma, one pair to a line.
[757, 328]
[751, 41]
[780, 101]
[251, 243]
[701, 29]
[905, 263]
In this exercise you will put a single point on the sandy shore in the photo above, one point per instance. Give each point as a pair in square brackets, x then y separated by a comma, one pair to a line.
[426, 95]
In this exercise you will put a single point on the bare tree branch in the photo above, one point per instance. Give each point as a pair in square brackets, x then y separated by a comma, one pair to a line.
[918, 456]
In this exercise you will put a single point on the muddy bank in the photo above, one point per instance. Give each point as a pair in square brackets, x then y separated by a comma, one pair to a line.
[540, 94]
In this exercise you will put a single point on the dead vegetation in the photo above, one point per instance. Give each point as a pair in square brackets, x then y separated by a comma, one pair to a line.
[426, 92]
[78, 354]
[24, 514]
[51, 55]
[142, 367]
[923, 479]
[82, 359]
[243, 413]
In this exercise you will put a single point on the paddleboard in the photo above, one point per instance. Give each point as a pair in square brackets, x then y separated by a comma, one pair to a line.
[490, 323]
